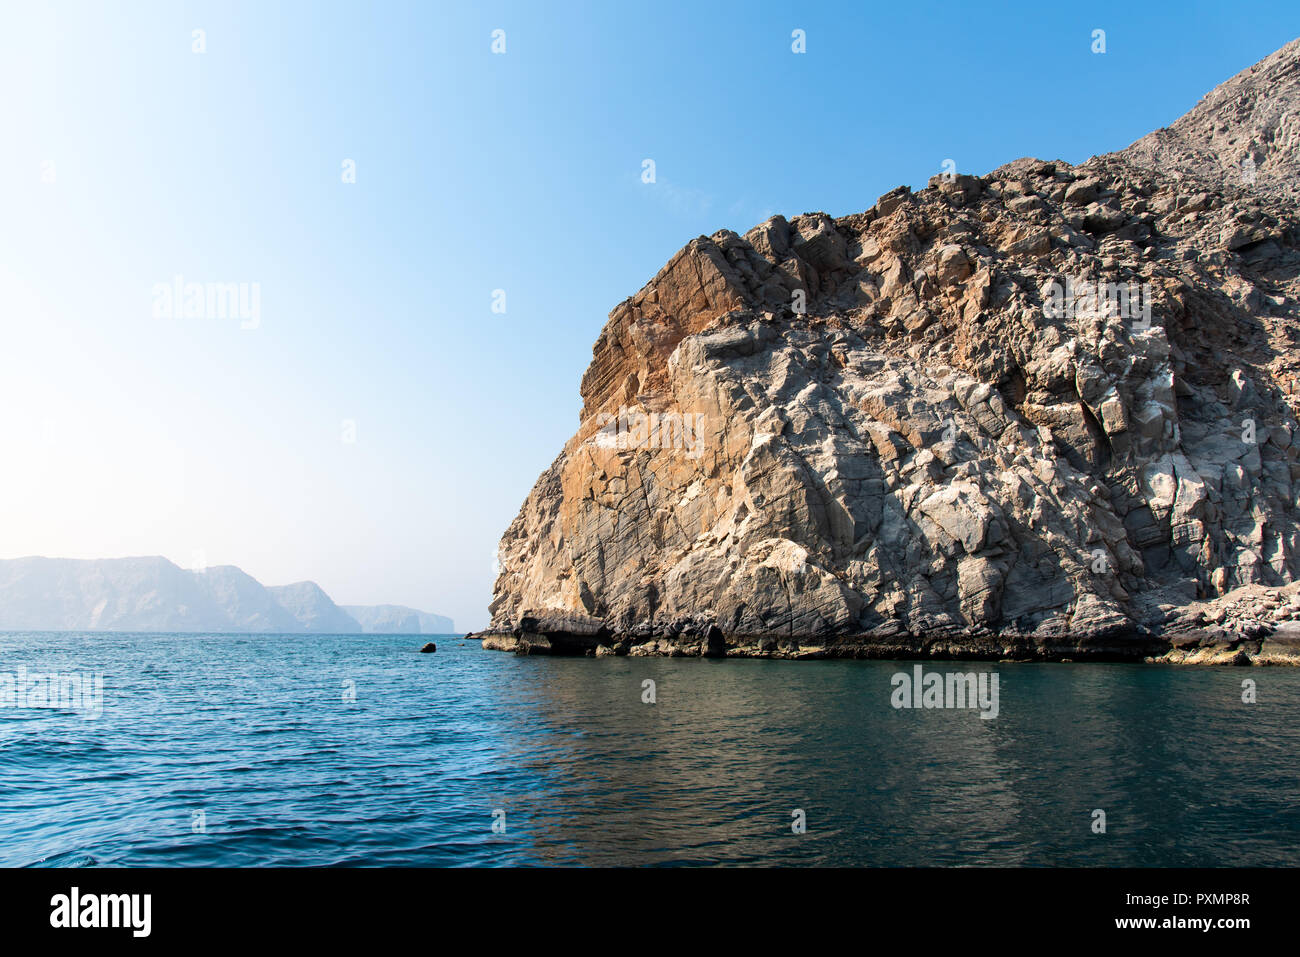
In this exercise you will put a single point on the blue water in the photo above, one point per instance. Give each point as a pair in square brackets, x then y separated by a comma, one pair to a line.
[255, 733]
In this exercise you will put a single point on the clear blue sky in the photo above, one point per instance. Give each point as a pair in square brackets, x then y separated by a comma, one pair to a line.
[127, 434]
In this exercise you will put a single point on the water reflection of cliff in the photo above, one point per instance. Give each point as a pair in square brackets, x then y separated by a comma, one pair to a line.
[712, 772]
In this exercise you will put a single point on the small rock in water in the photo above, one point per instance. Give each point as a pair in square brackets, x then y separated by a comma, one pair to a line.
[429, 648]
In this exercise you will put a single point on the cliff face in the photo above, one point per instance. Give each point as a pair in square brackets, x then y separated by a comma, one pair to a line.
[314, 610]
[1047, 411]
[1246, 130]
[152, 594]
[125, 594]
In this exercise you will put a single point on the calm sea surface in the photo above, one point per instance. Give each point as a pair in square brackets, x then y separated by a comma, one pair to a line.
[249, 750]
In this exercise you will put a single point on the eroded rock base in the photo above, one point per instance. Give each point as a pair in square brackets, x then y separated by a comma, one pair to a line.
[1250, 626]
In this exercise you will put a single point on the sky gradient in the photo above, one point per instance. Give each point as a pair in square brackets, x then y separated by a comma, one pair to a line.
[130, 159]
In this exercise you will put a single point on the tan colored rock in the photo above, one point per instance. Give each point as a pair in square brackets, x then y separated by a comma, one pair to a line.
[940, 454]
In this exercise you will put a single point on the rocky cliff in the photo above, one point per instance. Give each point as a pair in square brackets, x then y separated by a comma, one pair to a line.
[399, 620]
[1246, 130]
[314, 610]
[1044, 412]
[153, 594]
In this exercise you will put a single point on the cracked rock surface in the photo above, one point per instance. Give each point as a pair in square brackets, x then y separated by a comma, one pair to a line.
[1046, 412]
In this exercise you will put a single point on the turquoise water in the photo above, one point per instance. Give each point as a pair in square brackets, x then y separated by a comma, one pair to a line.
[242, 750]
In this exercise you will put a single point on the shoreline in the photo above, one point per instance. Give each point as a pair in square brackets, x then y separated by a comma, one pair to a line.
[1196, 646]
[1253, 625]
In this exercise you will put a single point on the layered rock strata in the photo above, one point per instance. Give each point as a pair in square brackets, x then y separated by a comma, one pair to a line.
[1049, 412]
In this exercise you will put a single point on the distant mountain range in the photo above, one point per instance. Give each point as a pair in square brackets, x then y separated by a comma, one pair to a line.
[153, 594]
[399, 620]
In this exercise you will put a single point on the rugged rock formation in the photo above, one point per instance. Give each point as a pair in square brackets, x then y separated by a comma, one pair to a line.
[1046, 412]
[1245, 129]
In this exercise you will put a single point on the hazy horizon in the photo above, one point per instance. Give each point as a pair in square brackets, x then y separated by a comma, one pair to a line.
[368, 422]
[269, 584]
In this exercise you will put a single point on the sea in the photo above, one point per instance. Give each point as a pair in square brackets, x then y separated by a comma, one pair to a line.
[360, 751]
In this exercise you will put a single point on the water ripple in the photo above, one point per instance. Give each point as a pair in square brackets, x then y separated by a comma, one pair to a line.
[356, 751]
